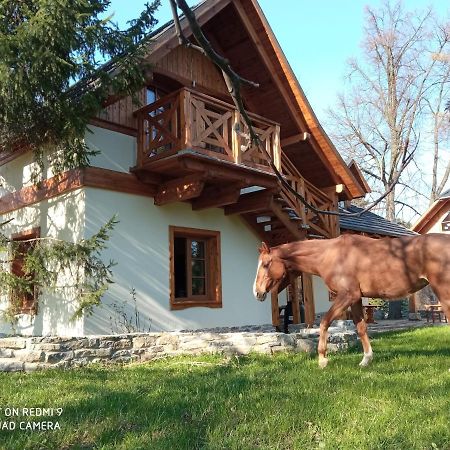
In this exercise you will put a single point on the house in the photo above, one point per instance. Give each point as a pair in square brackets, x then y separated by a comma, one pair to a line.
[193, 200]
[437, 218]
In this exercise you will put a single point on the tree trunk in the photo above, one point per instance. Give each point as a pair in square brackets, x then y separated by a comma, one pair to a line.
[390, 206]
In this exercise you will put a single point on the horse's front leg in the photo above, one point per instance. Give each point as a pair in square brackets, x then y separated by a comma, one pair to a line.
[361, 328]
[342, 302]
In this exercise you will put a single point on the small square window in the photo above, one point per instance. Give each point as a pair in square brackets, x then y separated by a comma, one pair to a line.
[194, 268]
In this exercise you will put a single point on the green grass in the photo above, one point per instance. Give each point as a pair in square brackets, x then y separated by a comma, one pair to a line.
[402, 401]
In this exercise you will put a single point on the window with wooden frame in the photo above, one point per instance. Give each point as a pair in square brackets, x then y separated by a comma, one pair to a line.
[25, 302]
[195, 278]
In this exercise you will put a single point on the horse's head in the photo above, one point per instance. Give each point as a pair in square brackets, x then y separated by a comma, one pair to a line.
[269, 273]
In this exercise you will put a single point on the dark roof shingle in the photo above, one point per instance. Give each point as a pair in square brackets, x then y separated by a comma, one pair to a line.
[371, 223]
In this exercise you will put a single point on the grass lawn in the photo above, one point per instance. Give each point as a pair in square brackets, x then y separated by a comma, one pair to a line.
[402, 401]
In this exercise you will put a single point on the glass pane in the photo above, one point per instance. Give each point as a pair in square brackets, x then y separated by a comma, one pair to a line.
[198, 268]
[180, 265]
[198, 249]
[198, 286]
[151, 95]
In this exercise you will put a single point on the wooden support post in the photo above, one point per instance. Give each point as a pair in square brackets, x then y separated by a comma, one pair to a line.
[275, 308]
[295, 298]
[236, 137]
[308, 299]
[412, 303]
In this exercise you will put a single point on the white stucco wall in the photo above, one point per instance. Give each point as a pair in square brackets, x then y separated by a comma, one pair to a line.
[116, 151]
[60, 218]
[321, 297]
[140, 246]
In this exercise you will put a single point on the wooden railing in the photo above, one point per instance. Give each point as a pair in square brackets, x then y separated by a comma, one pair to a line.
[192, 120]
[325, 225]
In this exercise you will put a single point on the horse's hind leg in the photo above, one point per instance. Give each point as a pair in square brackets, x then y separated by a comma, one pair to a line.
[442, 290]
[361, 328]
[342, 302]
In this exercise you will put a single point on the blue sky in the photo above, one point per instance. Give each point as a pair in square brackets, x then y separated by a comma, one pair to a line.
[317, 37]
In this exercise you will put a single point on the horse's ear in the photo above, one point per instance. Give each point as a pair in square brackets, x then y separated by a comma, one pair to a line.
[264, 248]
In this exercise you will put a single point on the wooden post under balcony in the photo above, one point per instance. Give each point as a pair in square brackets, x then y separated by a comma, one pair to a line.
[308, 298]
[236, 137]
[295, 298]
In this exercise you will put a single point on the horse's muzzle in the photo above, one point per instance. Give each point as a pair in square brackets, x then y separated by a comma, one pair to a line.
[261, 296]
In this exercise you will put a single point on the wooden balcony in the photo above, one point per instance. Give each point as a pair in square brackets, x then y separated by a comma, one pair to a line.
[193, 147]
[187, 119]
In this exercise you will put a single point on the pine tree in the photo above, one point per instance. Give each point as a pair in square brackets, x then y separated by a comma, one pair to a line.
[53, 80]
[52, 73]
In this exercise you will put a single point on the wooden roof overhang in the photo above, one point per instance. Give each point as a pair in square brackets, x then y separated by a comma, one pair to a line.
[428, 219]
[240, 32]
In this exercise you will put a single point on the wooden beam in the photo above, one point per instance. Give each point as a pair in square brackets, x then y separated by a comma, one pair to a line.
[251, 203]
[275, 308]
[180, 189]
[300, 137]
[308, 299]
[147, 177]
[227, 170]
[215, 197]
[71, 180]
[283, 216]
[112, 180]
[118, 128]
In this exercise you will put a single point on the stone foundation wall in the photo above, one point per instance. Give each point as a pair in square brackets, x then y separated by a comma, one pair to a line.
[32, 353]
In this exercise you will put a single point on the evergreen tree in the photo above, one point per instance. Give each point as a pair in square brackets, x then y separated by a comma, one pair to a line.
[52, 80]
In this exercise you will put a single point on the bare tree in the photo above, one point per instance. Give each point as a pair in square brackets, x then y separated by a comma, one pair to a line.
[379, 121]
[440, 120]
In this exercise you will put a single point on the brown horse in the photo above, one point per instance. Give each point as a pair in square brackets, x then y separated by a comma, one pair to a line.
[354, 266]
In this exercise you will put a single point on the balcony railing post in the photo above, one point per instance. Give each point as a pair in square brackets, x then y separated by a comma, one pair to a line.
[185, 119]
[277, 147]
[236, 137]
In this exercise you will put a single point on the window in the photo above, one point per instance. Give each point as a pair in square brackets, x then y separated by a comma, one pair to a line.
[26, 302]
[194, 268]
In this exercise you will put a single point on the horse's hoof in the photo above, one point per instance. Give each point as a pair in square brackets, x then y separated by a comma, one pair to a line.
[323, 363]
[365, 362]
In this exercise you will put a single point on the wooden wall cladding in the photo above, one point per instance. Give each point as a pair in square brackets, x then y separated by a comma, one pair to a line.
[121, 111]
[190, 64]
[183, 63]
